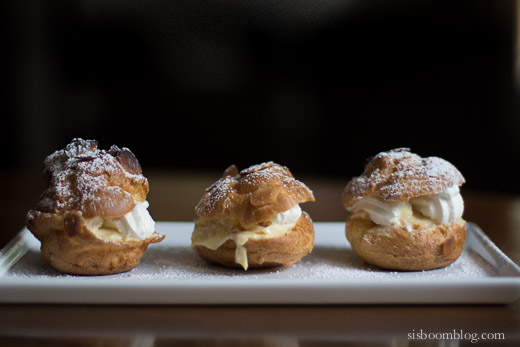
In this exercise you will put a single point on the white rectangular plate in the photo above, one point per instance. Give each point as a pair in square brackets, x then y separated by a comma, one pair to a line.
[171, 273]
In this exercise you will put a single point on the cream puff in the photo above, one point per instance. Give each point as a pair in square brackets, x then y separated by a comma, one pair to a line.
[406, 212]
[92, 219]
[252, 219]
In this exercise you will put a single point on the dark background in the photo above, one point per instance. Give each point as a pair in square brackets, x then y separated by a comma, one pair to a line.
[314, 85]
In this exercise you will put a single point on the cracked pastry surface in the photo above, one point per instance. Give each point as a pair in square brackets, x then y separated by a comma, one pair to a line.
[252, 218]
[92, 218]
[406, 212]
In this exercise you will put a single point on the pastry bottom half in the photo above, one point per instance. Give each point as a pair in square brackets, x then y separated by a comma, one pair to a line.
[263, 253]
[395, 248]
[70, 247]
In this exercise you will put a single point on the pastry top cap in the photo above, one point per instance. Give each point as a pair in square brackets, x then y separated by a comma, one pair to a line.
[253, 195]
[399, 175]
[96, 182]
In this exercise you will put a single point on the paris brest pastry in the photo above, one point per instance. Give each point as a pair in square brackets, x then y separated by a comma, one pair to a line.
[92, 219]
[252, 219]
[406, 212]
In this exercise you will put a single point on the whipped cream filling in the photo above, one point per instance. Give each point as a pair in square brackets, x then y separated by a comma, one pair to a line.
[214, 233]
[443, 208]
[136, 225]
[287, 217]
[383, 212]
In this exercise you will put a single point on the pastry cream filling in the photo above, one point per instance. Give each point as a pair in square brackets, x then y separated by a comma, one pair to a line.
[136, 225]
[443, 208]
[215, 232]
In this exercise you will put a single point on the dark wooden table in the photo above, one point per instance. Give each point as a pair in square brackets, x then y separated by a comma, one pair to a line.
[172, 198]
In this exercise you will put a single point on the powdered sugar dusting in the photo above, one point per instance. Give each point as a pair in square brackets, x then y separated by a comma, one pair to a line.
[401, 175]
[80, 175]
[227, 196]
[221, 192]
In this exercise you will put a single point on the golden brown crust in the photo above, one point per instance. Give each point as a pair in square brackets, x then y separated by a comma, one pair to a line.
[399, 175]
[254, 195]
[396, 248]
[263, 253]
[70, 247]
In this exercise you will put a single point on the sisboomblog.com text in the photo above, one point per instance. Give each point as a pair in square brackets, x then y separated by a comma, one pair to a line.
[455, 335]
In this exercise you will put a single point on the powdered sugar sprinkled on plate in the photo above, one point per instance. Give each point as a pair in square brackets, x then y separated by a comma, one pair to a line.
[171, 273]
[331, 259]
